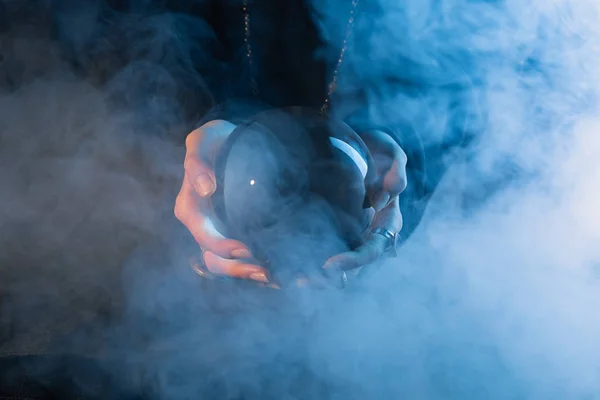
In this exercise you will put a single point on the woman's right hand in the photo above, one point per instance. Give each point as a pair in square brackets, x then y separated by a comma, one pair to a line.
[221, 256]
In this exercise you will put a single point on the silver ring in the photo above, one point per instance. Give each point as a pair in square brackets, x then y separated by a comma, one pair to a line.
[389, 235]
[344, 279]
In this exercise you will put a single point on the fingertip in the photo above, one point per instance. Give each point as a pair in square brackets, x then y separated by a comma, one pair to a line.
[396, 183]
[395, 180]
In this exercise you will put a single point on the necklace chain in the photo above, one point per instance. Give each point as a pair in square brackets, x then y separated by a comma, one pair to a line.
[332, 85]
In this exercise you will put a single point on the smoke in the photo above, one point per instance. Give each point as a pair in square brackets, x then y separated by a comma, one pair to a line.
[509, 241]
[493, 295]
[92, 138]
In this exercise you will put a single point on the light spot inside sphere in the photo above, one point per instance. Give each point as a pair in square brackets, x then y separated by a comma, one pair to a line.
[252, 182]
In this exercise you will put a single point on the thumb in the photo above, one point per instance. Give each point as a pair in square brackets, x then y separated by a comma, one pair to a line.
[200, 176]
[202, 146]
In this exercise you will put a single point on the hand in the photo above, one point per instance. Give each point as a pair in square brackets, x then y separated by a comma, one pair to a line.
[390, 161]
[221, 256]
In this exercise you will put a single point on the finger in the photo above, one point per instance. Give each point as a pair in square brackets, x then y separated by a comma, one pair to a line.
[381, 201]
[394, 181]
[202, 228]
[379, 142]
[389, 217]
[390, 161]
[369, 215]
[205, 141]
[234, 268]
[370, 251]
[202, 146]
[199, 175]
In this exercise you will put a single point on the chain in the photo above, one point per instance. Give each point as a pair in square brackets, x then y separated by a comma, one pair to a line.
[253, 83]
[332, 85]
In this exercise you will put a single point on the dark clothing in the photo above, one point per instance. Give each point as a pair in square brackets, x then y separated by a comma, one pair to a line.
[284, 43]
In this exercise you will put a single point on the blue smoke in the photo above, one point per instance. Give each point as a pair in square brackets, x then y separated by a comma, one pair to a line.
[493, 295]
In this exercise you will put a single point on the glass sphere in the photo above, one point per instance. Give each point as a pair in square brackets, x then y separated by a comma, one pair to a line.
[291, 186]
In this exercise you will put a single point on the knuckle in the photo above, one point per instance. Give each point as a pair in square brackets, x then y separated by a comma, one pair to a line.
[390, 144]
[193, 137]
[398, 182]
[210, 129]
[180, 209]
[189, 139]
[402, 184]
[189, 164]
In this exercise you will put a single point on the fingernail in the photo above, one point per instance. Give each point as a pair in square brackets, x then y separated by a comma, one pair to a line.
[204, 185]
[259, 276]
[241, 253]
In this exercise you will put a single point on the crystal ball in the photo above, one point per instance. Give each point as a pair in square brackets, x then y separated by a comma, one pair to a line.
[292, 185]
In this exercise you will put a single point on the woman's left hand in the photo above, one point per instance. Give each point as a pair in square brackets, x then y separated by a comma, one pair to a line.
[390, 161]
